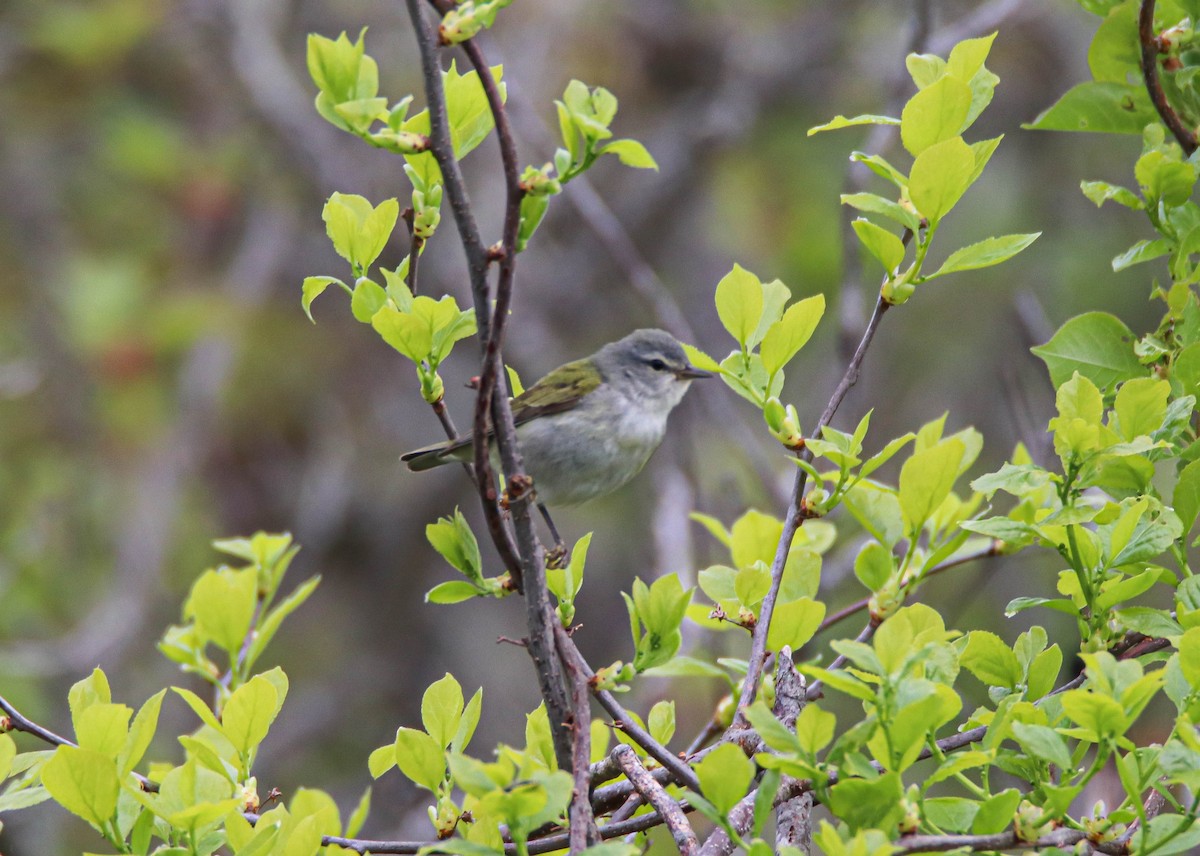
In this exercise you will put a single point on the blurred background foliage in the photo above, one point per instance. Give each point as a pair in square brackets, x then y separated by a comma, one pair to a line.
[162, 175]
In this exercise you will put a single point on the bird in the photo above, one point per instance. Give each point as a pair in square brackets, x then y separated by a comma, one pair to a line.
[589, 426]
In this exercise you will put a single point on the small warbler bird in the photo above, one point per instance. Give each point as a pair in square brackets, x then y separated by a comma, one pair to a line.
[589, 426]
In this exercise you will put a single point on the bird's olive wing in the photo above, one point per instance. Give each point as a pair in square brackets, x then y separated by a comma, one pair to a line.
[557, 392]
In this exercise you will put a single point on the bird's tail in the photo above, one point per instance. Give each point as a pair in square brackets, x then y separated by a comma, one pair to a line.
[428, 457]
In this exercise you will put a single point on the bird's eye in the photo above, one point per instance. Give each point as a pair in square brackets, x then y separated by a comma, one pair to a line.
[657, 364]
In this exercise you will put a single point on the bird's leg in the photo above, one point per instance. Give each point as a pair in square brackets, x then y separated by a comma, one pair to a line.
[558, 556]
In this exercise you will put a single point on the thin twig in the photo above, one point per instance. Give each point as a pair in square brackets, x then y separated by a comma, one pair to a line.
[622, 720]
[791, 524]
[653, 793]
[14, 720]
[1151, 47]
[845, 612]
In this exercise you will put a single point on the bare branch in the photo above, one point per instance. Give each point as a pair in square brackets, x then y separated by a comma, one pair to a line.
[680, 770]
[653, 793]
[583, 822]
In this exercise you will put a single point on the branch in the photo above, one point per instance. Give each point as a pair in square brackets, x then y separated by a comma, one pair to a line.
[845, 612]
[1061, 838]
[622, 720]
[758, 644]
[653, 793]
[539, 615]
[442, 149]
[524, 558]
[1151, 47]
[582, 820]
[14, 720]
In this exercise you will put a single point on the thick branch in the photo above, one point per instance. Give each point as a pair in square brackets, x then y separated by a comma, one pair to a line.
[653, 793]
[583, 822]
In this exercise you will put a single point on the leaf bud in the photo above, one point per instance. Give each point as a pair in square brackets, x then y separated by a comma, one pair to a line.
[896, 291]
[885, 601]
[460, 24]
[726, 708]
[539, 182]
[432, 387]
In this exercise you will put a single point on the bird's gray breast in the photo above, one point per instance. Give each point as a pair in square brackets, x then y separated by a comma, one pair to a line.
[589, 451]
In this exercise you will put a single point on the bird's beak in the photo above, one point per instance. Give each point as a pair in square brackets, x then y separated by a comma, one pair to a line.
[692, 373]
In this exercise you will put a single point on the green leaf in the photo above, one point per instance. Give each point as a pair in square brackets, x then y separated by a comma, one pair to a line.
[453, 539]
[739, 300]
[874, 565]
[986, 253]
[950, 814]
[725, 775]
[103, 728]
[874, 204]
[1045, 743]
[1141, 406]
[935, 114]
[789, 334]
[453, 591]
[864, 804]
[1186, 498]
[8, 751]
[222, 604]
[84, 782]
[1113, 54]
[1115, 108]
[358, 230]
[368, 298]
[940, 176]
[312, 288]
[381, 760]
[814, 728]
[839, 121]
[270, 624]
[881, 168]
[468, 722]
[467, 107]
[1100, 716]
[967, 57]
[661, 721]
[1189, 656]
[442, 708]
[420, 758]
[927, 478]
[407, 333]
[996, 813]
[631, 153]
[1142, 251]
[1100, 192]
[989, 659]
[199, 708]
[1097, 345]
[886, 247]
[794, 623]
[248, 714]
[91, 690]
